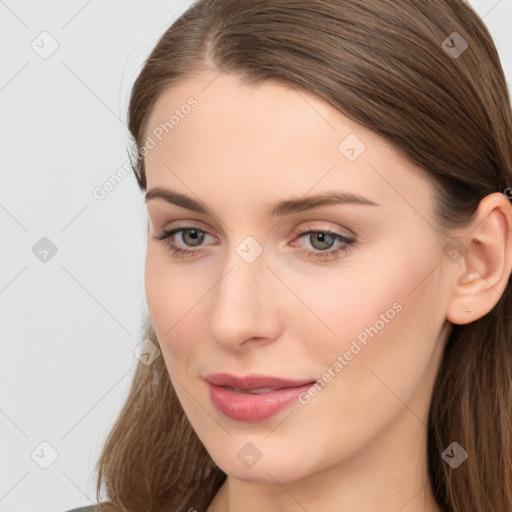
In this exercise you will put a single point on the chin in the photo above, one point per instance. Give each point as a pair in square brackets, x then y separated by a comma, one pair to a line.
[269, 468]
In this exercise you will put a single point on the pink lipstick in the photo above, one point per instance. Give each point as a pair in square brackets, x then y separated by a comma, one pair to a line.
[255, 397]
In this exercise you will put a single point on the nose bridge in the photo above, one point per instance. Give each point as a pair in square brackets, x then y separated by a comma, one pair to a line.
[241, 301]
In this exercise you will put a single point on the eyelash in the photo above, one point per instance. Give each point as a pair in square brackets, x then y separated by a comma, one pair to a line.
[325, 255]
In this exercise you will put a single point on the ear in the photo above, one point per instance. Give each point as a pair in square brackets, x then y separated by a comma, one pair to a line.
[482, 271]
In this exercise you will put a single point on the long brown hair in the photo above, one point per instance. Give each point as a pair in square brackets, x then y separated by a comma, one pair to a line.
[397, 68]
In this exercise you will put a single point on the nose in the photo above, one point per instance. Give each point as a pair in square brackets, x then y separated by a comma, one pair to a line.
[245, 305]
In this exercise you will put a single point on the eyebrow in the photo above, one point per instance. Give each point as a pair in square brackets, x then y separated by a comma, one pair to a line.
[276, 209]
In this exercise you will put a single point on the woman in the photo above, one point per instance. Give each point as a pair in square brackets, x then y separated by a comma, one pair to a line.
[328, 262]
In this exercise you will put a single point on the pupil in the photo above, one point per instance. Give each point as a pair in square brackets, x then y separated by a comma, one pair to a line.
[194, 236]
[324, 239]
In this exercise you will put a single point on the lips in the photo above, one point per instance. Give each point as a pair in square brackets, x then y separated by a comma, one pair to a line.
[257, 391]
[255, 397]
[254, 381]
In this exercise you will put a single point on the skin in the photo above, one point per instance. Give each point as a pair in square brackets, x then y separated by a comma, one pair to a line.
[360, 444]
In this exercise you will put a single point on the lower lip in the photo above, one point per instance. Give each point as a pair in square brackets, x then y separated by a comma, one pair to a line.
[253, 407]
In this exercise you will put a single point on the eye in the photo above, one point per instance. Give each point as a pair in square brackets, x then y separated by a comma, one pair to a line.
[322, 242]
[191, 237]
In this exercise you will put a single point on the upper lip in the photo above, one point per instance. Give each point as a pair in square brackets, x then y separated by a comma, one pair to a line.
[254, 381]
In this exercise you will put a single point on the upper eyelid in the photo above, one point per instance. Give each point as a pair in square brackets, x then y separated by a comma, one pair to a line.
[198, 224]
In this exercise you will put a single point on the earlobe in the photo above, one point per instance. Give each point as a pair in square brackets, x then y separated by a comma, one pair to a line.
[483, 272]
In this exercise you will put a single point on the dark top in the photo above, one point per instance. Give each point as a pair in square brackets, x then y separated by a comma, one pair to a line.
[90, 508]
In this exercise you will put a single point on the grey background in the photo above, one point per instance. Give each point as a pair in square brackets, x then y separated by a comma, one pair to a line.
[70, 323]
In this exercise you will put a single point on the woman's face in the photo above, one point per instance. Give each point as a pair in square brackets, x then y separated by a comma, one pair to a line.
[351, 293]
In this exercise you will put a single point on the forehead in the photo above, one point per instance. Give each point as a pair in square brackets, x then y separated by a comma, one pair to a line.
[267, 101]
[214, 128]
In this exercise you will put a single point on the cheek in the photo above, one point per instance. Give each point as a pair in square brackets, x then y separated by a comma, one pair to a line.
[385, 315]
[171, 294]
[387, 323]
[386, 289]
